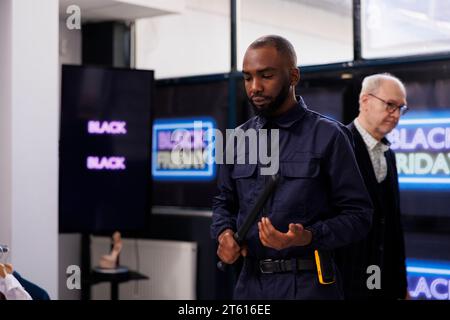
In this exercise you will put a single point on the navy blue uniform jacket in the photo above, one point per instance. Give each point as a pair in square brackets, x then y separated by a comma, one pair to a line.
[320, 187]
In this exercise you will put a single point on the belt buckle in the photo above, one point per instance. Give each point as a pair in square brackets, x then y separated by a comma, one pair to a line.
[261, 264]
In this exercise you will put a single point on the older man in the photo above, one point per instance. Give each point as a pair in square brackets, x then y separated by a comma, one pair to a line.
[382, 102]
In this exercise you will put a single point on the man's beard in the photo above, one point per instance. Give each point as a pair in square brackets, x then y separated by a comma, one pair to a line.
[269, 109]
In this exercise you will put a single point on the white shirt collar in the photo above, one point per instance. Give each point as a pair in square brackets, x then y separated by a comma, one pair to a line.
[369, 140]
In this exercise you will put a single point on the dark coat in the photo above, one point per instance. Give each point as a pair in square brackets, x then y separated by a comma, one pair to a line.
[384, 246]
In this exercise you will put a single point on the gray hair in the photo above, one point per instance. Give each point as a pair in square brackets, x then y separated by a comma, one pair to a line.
[372, 83]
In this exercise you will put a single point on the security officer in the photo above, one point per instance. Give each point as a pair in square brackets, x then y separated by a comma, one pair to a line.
[320, 202]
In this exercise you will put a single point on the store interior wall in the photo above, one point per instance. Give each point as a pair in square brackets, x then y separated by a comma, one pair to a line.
[29, 120]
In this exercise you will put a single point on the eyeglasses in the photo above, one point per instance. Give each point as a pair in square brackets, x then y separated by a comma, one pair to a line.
[392, 107]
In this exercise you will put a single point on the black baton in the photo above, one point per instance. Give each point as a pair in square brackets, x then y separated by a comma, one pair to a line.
[241, 234]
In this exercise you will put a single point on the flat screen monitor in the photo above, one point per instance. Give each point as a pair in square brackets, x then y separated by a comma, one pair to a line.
[105, 135]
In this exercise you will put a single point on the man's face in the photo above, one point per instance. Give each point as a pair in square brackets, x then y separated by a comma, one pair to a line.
[267, 80]
[379, 120]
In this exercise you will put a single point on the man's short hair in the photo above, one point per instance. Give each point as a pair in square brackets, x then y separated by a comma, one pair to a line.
[282, 45]
[372, 83]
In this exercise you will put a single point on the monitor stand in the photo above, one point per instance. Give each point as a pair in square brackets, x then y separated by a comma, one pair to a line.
[117, 270]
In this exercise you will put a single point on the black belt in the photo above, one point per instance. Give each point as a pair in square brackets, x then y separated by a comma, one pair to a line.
[277, 266]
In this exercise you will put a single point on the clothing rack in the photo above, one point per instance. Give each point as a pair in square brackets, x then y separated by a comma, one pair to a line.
[4, 253]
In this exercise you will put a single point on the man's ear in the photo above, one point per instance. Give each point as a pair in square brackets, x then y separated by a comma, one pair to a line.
[295, 76]
[363, 101]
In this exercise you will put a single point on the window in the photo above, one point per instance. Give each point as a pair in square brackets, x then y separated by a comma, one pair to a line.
[320, 30]
[192, 40]
[392, 28]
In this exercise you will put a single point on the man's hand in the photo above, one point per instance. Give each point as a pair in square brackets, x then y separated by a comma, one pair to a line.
[272, 238]
[229, 251]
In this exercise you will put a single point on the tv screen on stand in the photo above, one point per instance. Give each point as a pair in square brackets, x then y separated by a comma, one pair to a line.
[105, 139]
